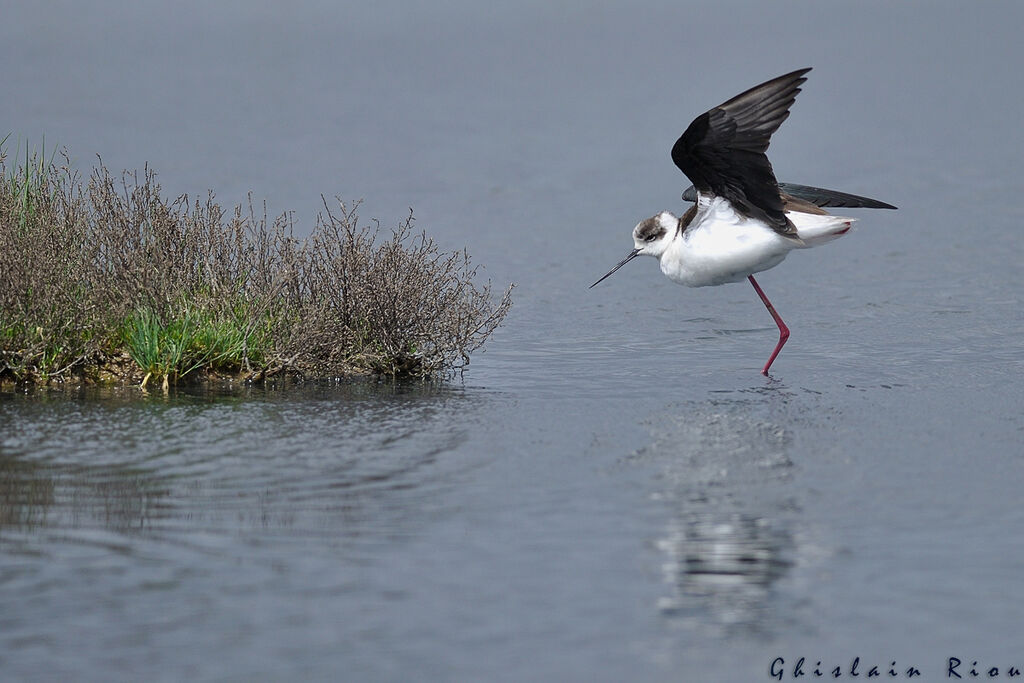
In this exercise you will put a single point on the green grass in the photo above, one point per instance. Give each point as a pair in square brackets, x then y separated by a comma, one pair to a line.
[174, 346]
[27, 182]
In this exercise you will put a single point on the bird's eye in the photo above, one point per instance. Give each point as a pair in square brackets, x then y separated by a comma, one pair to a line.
[649, 238]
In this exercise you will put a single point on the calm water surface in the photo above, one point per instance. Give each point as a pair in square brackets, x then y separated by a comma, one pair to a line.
[612, 492]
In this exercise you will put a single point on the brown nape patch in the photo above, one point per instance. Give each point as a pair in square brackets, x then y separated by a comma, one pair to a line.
[686, 219]
[791, 203]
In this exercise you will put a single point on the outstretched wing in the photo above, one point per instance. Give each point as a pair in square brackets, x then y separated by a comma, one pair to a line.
[818, 196]
[723, 150]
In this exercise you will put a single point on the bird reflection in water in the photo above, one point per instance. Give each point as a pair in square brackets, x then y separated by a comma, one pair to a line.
[725, 476]
[724, 566]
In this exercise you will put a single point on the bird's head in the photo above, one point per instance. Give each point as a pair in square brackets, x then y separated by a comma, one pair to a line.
[651, 237]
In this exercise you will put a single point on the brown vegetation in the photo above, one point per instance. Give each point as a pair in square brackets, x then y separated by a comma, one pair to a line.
[96, 274]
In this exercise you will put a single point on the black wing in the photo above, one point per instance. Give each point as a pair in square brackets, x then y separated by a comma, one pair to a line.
[723, 150]
[815, 195]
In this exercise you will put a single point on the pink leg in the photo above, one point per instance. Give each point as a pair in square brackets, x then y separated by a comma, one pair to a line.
[783, 330]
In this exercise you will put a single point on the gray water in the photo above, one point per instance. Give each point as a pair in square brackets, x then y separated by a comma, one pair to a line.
[612, 491]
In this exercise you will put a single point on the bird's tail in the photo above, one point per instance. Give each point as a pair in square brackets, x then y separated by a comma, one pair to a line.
[813, 229]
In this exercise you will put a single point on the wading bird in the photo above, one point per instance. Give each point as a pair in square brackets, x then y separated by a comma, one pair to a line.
[743, 220]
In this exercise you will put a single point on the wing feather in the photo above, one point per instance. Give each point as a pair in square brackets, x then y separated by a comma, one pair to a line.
[818, 196]
[722, 152]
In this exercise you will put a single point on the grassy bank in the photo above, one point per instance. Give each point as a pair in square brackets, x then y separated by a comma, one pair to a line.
[104, 279]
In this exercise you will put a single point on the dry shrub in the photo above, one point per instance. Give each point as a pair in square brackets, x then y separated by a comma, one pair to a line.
[400, 304]
[93, 273]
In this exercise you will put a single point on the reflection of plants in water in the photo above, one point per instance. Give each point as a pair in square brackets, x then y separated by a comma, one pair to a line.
[123, 503]
[359, 458]
[25, 497]
[33, 495]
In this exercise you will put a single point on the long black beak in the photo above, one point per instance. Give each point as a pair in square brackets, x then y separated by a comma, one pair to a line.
[632, 255]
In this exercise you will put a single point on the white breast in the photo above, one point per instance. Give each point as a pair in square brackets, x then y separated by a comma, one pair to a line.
[721, 246]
